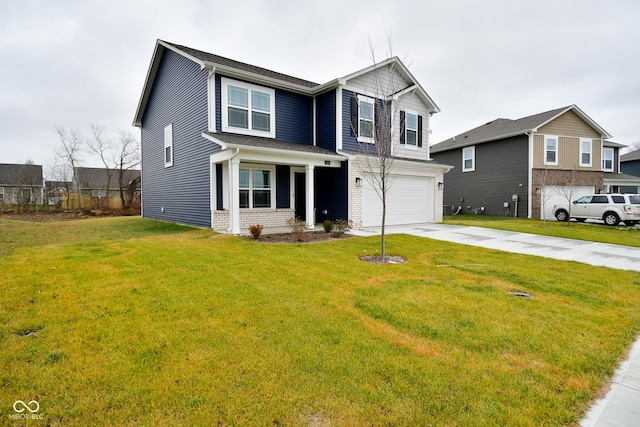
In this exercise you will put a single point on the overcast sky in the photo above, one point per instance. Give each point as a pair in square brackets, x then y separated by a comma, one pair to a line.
[77, 63]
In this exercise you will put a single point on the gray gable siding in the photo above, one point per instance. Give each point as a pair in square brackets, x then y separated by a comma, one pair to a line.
[501, 166]
[326, 120]
[631, 167]
[182, 191]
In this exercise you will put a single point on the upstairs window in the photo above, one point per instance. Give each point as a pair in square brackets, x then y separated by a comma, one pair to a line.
[248, 109]
[168, 146]
[551, 150]
[469, 159]
[366, 119]
[585, 152]
[607, 159]
[410, 129]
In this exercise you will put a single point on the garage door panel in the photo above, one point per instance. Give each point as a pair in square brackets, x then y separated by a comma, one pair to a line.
[409, 201]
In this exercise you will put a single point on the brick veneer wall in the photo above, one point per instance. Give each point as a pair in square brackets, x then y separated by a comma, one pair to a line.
[264, 217]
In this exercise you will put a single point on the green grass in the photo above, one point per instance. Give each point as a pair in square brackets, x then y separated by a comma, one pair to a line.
[130, 321]
[620, 235]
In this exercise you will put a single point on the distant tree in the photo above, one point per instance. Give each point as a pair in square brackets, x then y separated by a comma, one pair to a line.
[543, 193]
[567, 189]
[102, 147]
[26, 180]
[127, 158]
[69, 153]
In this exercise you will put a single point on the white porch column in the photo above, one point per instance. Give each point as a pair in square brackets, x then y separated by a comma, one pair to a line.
[310, 202]
[234, 195]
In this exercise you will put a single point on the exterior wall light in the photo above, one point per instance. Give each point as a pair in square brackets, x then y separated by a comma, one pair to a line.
[440, 185]
[358, 182]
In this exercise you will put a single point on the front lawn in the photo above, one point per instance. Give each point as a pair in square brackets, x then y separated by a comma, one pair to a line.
[165, 325]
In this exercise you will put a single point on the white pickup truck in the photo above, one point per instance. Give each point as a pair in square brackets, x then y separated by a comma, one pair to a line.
[610, 208]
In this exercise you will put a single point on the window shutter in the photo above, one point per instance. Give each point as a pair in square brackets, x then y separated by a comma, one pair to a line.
[402, 127]
[354, 116]
[419, 131]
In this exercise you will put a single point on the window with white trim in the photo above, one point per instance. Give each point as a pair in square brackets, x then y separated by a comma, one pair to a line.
[550, 150]
[248, 109]
[256, 189]
[469, 159]
[585, 152]
[411, 129]
[168, 145]
[366, 119]
[607, 159]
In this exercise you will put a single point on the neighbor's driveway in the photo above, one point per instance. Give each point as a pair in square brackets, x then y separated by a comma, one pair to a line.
[599, 254]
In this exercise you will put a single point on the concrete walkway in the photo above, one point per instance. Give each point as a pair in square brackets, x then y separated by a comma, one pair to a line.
[621, 405]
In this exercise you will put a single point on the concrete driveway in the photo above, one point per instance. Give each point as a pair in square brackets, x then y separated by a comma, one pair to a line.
[599, 254]
[620, 406]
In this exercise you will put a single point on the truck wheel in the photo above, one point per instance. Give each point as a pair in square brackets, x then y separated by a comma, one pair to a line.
[562, 215]
[610, 218]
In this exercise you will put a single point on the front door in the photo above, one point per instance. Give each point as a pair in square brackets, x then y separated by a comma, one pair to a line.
[300, 196]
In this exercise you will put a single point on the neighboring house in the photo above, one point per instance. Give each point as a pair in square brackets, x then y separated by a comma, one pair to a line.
[506, 167]
[20, 184]
[227, 145]
[94, 182]
[630, 165]
[56, 192]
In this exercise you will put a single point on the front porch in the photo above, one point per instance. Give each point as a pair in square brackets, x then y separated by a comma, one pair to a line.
[263, 181]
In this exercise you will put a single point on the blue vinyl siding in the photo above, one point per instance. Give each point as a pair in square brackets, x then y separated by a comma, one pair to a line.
[349, 141]
[178, 96]
[331, 190]
[326, 120]
[283, 181]
[294, 117]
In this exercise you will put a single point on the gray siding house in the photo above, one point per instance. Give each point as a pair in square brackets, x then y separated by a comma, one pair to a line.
[227, 144]
[630, 167]
[20, 184]
[514, 167]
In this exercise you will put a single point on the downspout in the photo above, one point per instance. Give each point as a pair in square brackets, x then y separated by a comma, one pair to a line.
[530, 175]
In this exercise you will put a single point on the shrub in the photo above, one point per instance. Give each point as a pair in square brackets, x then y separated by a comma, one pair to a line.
[255, 230]
[340, 227]
[327, 225]
[298, 228]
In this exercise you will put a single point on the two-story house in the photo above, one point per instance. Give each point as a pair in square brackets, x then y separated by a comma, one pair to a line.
[227, 145]
[514, 167]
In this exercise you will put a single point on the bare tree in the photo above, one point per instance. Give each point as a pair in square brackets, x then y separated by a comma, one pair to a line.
[27, 180]
[127, 158]
[69, 153]
[542, 193]
[103, 147]
[568, 190]
[375, 122]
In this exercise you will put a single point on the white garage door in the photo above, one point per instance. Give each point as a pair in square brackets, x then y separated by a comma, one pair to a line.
[558, 195]
[409, 201]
